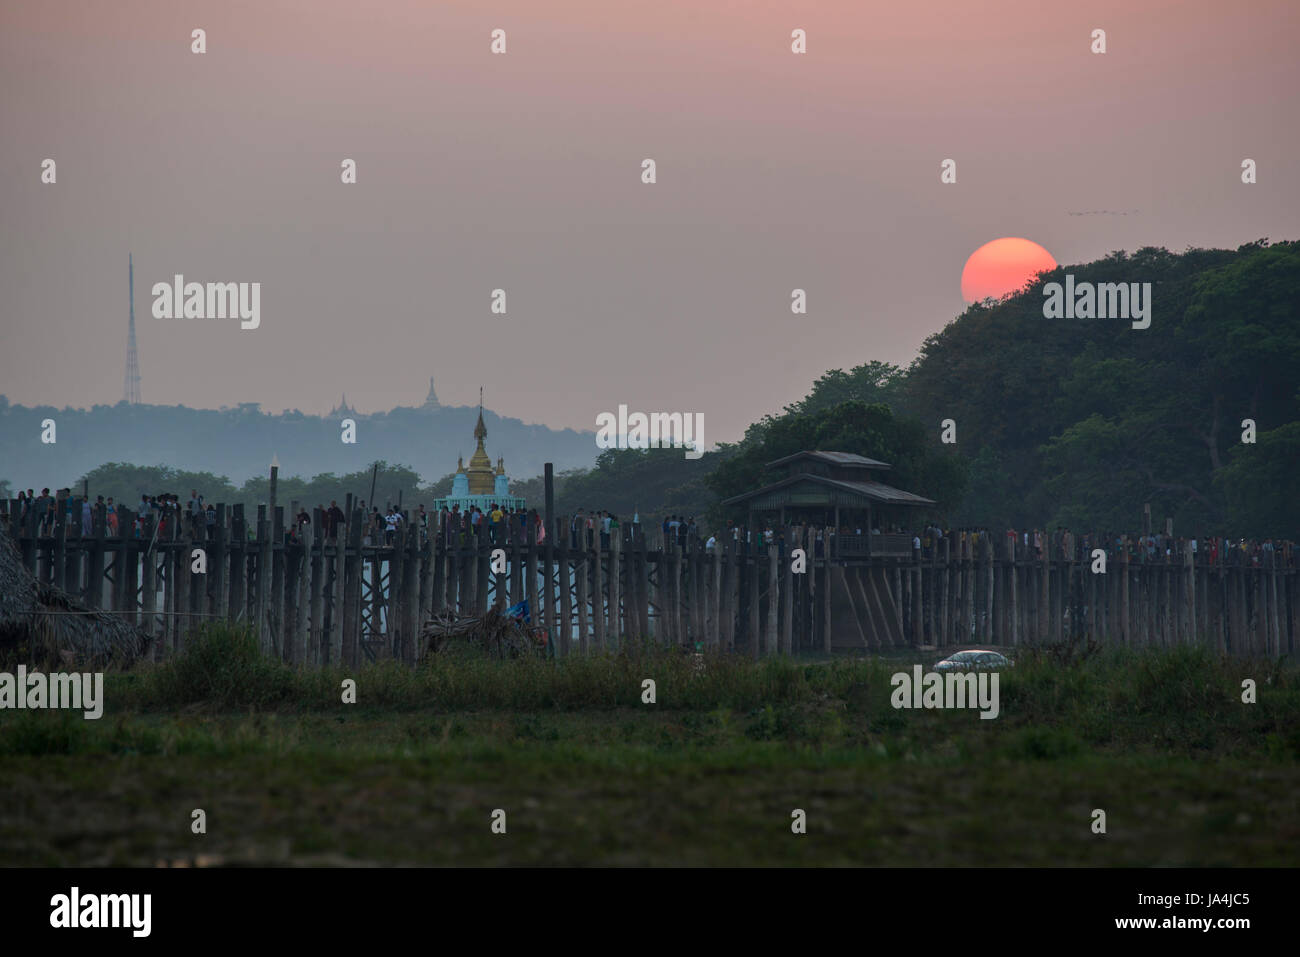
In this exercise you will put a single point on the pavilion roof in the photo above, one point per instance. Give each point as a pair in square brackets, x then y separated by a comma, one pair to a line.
[838, 491]
[846, 459]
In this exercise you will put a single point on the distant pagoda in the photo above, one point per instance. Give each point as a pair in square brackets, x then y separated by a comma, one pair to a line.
[479, 485]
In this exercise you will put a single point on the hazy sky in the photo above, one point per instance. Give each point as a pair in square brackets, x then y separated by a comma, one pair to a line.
[523, 172]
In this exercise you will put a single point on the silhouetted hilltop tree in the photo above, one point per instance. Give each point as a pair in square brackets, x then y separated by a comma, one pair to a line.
[871, 383]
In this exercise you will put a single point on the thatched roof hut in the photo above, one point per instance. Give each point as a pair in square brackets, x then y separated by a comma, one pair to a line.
[45, 626]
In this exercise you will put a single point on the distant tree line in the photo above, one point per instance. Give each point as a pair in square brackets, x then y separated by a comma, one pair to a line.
[125, 483]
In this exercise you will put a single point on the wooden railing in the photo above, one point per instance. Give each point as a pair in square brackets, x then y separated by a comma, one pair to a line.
[865, 545]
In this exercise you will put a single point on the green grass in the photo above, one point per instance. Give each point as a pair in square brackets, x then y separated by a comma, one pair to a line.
[709, 774]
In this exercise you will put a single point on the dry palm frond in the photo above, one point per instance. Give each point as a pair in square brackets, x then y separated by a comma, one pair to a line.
[500, 635]
[47, 626]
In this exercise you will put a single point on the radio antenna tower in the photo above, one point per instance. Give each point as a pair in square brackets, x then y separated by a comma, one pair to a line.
[131, 390]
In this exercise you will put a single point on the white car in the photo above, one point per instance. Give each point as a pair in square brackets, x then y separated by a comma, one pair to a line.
[975, 660]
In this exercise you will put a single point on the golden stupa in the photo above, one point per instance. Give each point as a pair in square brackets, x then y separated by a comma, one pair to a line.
[482, 477]
[478, 484]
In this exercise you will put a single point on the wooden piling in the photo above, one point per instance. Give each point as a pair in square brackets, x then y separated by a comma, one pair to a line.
[565, 583]
[615, 596]
[755, 640]
[348, 631]
[536, 613]
[793, 540]
[262, 623]
[314, 648]
[276, 609]
[581, 573]
[597, 588]
[770, 646]
[148, 581]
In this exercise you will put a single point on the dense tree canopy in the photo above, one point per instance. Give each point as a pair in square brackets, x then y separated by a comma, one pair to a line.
[648, 482]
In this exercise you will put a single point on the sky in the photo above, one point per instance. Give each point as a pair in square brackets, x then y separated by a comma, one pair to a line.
[523, 172]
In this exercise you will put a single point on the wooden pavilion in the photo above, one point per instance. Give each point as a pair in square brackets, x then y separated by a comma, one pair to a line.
[839, 490]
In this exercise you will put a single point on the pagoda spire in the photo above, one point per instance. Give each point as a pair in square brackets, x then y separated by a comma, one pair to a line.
[480, 466]
[131, 391]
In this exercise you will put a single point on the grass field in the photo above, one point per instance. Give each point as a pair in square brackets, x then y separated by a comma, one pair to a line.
[708, 775]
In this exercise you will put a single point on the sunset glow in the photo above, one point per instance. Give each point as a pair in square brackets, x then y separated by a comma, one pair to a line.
[1002, 266]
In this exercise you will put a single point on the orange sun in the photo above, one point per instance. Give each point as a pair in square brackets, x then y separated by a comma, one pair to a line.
[1002, 266]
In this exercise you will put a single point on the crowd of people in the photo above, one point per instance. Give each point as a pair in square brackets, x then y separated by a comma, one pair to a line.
[1147, 548]
[165, 508]
[586, 524]
[502, 524]
[506, 525]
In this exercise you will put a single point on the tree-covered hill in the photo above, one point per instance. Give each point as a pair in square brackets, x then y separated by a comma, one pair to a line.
[1080, 422]
[1077, 422]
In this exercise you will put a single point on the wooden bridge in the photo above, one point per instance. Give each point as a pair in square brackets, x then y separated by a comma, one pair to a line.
[317, 600]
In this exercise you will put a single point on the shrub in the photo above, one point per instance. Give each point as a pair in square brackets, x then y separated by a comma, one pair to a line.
[222, 667]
